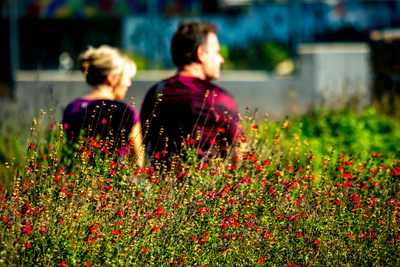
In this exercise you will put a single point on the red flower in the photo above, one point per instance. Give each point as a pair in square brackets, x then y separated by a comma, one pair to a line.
[32, 145]
[266, 163]
[261, 260]
[116, 232]
[144, 250]
[222, 130]
[299, 235]
[27, 229]
[62, 264]
[183, 258]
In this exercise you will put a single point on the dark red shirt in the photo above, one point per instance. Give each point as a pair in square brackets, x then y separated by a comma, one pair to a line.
[190, 109]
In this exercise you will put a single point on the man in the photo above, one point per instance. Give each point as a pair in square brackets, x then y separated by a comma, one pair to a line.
[187, 109]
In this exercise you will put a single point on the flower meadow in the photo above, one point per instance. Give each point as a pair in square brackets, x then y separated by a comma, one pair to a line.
[282, 206]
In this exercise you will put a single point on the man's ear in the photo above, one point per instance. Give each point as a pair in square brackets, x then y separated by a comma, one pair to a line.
[201, 53]
[111, 80]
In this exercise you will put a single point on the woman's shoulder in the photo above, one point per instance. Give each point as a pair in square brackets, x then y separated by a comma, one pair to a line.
[121, 108]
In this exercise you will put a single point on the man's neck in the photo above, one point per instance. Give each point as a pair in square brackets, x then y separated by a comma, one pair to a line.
[192, 70]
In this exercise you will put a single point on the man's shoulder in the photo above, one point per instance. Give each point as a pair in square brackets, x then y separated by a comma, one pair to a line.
[220, 91]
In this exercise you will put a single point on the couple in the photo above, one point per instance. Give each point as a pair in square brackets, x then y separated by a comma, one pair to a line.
[186, 109]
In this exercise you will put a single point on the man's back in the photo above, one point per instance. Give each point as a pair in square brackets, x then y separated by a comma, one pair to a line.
[189, 107]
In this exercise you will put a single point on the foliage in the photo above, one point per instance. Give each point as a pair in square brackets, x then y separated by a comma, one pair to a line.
[261, 55]
[274, 209]
[358, 134]
[140, 61]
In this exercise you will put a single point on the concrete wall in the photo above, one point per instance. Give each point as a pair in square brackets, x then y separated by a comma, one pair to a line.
[325, 71]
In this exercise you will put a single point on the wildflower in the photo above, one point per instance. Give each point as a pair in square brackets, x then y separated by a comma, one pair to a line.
[116, 232]
[144, 250]
[203, 210]
[27, 229]
[266, 235]
[221, 130]
[299, 235]
[261, 260]
[213, 142]
[317, 242]
[62, 264]
[28, 244]
[189, 142]
[183, 258]
[32, 145]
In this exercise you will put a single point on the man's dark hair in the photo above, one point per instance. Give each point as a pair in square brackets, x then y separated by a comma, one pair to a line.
[187, 38]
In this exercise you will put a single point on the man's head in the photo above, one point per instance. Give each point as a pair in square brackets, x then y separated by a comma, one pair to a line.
[197, 42]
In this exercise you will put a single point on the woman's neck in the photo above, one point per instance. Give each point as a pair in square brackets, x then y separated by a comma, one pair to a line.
[101, 92]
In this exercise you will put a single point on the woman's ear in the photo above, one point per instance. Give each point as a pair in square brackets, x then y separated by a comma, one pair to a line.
[111, 80]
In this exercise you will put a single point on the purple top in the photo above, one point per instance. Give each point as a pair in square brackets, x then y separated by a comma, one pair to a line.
[100, 117]
[189, 106]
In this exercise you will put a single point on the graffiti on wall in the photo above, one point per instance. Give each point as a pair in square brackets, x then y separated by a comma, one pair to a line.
[288, 24]
[61, 9]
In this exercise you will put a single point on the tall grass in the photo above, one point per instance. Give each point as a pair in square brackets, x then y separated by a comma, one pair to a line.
[283, 206]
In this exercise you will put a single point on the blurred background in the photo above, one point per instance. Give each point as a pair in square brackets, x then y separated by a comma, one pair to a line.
[281, 57]
[331, 67]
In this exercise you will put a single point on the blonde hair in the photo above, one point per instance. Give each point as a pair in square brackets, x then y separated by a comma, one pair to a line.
[97, 63]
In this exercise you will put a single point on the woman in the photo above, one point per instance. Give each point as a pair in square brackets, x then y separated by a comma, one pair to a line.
[105, 119]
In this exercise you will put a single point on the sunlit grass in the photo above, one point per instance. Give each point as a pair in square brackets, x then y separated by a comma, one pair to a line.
[284, 206]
